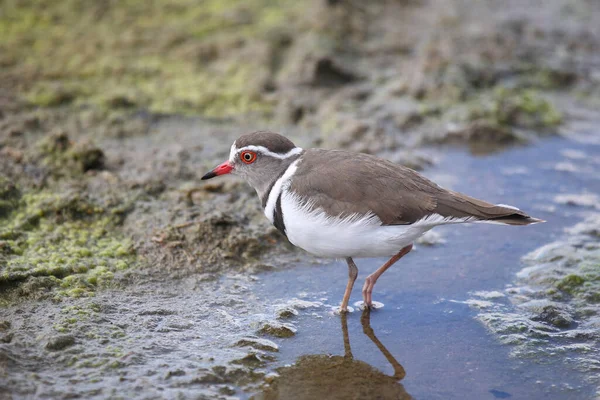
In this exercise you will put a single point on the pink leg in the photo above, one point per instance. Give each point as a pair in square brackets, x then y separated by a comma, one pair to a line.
[352, 274]
[372, 279]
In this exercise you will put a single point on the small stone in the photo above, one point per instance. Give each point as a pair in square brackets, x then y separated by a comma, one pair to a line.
[177, 372]
[227, 391]
[257, 343]
[286, 312]
[89, 156]
[580, 200]
[120, 101]
[60, 342]
[278, 330]
[327, 72]
[250, 360]
[7, 338]
[552, 313]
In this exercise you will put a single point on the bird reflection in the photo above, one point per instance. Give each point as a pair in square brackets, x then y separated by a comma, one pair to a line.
[322, 376]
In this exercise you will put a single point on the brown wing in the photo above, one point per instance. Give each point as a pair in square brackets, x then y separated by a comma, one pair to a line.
[343, 183]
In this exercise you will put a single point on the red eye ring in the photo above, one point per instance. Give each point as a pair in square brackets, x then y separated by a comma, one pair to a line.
[248, 157]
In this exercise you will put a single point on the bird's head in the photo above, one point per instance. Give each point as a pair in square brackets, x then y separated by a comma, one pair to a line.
[260, 158]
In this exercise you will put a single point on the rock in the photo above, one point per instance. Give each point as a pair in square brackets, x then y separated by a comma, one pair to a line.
[252, 360]
[553, 313]
[580, 200]
[326, 73]
[278, 329]
[60, 342]
[7, 338]
[258, 343]
[286, 312]
[176, 372]
[122, 100]
[89, 156]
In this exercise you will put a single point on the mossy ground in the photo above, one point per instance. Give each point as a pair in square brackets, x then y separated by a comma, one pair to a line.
[515, 107]
[161, 55]
[66, 237]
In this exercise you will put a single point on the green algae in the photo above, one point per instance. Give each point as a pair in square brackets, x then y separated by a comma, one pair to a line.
[180, 56]
[57, 237]
[515, 107]
[570, 283]
[584, 284]
[66, 237]
[71, 316]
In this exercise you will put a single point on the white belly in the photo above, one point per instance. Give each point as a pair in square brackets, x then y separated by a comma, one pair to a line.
[355, 236]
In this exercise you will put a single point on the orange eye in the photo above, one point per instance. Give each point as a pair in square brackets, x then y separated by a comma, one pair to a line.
[248, 157]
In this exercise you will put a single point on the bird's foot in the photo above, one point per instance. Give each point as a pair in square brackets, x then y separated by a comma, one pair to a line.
[339, 310]
[361, 305]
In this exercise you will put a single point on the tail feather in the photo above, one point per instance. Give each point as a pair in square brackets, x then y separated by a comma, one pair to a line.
[461, 205]
[516, 219]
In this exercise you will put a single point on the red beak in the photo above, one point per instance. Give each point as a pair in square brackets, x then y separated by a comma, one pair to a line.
[220, 169]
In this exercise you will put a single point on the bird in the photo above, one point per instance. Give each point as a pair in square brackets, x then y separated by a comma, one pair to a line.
[347, 205]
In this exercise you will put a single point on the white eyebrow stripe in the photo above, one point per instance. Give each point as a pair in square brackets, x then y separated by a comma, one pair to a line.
[232, 152]
[265, 151]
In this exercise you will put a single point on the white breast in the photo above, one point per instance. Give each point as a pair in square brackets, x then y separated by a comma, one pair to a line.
[353, 236]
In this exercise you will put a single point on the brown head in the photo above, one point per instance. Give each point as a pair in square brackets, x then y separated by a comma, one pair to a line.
[260, 158]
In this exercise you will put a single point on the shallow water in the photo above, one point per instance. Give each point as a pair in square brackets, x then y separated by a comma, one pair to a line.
[425, 323]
